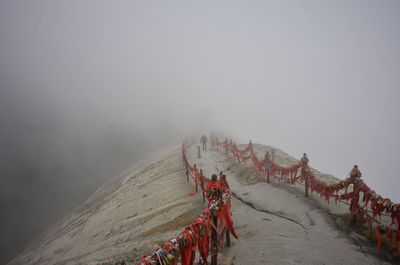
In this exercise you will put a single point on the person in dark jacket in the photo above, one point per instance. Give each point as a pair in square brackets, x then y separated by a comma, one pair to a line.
[203, 141]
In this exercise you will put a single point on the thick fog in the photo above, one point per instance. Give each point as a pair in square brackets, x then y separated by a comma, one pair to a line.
[89, 87]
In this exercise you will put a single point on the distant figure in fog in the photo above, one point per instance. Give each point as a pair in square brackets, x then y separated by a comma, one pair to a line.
[304, 160]
[203, 141]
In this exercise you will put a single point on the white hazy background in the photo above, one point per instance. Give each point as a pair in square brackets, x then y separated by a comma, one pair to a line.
[320, 77]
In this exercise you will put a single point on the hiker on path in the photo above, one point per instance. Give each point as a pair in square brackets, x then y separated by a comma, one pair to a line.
[213, 191]
[355, 172]
[203, 141]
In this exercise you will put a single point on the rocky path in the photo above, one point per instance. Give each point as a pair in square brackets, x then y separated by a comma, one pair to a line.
[148, 204]
[277, 225]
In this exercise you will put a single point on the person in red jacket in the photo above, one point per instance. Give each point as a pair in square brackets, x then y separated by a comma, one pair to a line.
[213, 191]
[355, 172]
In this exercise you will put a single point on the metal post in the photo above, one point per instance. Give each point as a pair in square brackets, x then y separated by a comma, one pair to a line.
[196, 175]
[214, 240]
[198, 152]
[236, 152]
[272, 162]
[202, 187]
[354, 216]
[228, 237]
[306, 187]
[305, 173]
[187, 174]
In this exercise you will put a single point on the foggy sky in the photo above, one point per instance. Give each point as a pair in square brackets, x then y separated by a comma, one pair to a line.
[320, 77]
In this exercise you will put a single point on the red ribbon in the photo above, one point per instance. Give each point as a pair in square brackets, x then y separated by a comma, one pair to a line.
[378, 205]
[188, 253]
[225, 216]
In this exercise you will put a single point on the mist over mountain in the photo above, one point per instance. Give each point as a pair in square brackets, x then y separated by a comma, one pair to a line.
[50, 165]
[89, 87]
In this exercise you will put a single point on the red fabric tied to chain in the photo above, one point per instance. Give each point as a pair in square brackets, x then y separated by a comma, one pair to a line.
[143, 260]
[188, 253]
[203, 246]
[202, 227]
[371, 201]
[225, 218]
[169, 247]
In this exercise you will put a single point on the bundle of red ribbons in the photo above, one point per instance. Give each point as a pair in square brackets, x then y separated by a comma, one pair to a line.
[197, 235]
[372, 207]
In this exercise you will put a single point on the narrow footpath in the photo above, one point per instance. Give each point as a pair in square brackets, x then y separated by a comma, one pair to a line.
[277, 225]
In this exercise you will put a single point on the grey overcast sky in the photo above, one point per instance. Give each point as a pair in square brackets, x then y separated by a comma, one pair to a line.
[320, 77]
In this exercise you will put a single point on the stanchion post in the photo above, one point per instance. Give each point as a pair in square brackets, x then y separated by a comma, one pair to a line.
[354, 216]
[268, 165]
[355, 175]
[228, 237]
[196, 175]
[214, 240]
[236, 151]
[306, 186]
[304, 172]
[198, 152]
[187, 174]
[202, 184]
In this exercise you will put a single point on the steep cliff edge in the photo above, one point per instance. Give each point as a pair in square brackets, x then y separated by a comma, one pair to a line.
[128, 216]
